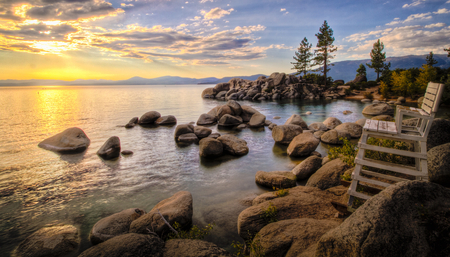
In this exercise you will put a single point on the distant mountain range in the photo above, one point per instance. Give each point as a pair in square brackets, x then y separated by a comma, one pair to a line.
[345, 70]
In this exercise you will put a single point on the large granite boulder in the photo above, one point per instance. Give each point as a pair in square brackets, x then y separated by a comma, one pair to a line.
[294, 237]
[378, 109]
[177, 208]
[131, 244]
[228, 120]
[206, 119]
[331, 122]
[353, 129]
[257, 120]
[202, 132]
[208, 93]
[235, 106]
[193, 248]
[210, 147]
[438, 159]
[57, 240]
[224, 110]
[329, 175]
[361, 122]
[307, 167]
[303, 145]
[110, 149]
[213, 111]
[300, 202]
[296, 119]
[278, 78]
[222, 87]
[333, 137]
[114, 225]
[406, 219]
[278, 179]
[317, 126]
[149, 118]
[71, 140]
[166, 120]
[439, 133]
[233, 145]
[183, 129]
[247, 112]
[284, 134]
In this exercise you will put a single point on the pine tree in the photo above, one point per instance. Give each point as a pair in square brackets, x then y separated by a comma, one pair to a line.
[361, 70]
[303, 58]
[430, 60]
[377, 57]
[448, 51]
[325, 48]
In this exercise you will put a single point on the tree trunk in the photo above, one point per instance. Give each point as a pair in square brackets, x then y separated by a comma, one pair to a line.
[325, 67]
[378, 75]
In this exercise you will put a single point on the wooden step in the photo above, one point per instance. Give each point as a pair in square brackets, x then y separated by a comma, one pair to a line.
[392, 151]
[384, 176]
[370, 181]
[359, 195]
[408, 170]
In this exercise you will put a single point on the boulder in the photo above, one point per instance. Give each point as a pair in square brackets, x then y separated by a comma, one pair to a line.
[333, 137]
[303, 145]
[257, 120]
[114, 225]
[361, 122]
[383, 117]
[177, 208]
[228, 120]
[166, 120]
[267, 123]
[221, 94]
[278, 78]
[149, 118]
[183, 129]
[300, 202]
[213, 111]
[378, 109]
[406, 219]
[224, 110]
[316, 126]
[271, 126]
[438, 159]
[208, 93]
[295, 119]
[202, 132]
[235, 106]
[353, 129]
[277, 179]
[358, 79]
[284, 134]
[214, 135]
[318, 134]
[307, 167]
[294, 237]
[222, 87]
[247, 112]
[439, 133]
[329, 175]
[110, 149]
[132, 122]
[187, 139]
[233, 145]
[49, 241]
[131, 244]
[193, 248]
[210, 147]
[206, 119]
[71, 140]
[331, 122]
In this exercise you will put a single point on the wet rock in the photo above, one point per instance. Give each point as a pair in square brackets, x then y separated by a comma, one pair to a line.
[208, 93]
[315, 153]
[187, 139]
[214, 135]
[353, 129]
[50, 241]
[318, 134]
[110, 149]
[271, 126]
[202, 132]
[183, 129]
[295, 119]
[242, 126]
[378, 109]
[267, 123]
[347, 112]
[308, 113]
[114, 225]
[303, 145]
[224, 110]
[193, 248]
[210, 147]
[149, 118]
[71, 140]
[229, 121]
[307, 167]
[235, 106]
[126, 152]
[257, 120]
[333, 137]
[329, 175]
[247, 112]
[278, 179]
[233, 145]
[130, 244]
[276, 117]
[132, 122]
[316, 126]
[166, 120]
[332, 122]
[284, 134]
[206, 119]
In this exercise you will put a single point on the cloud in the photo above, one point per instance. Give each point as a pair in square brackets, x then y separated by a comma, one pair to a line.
[283, 9]
[442, 11]
[410, 18]
[435, 25]
[415, 3]
[216, 13]
[249, 29]
[204, 1]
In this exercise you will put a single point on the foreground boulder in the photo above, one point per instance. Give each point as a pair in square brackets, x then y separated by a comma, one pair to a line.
[137, 245]
[248, 112]
[114, 225]
[277, 179]
[329, 175]
[183, 129]
[406, 219]
[202, 132]
[166, 120]
[307, 167]
[110, 149]
[257, 120]
[438, 160]
[439, 133]
[331, 122]
[233, 145]
[71, 140]
[296, 119]
[193, 248]
[303, 145]
[294, 237]
[206, 119]
[149, 118]
[378, 109]
[333, 137]
[177, 208]
[353, 129]
[50, 241]
[210, 147]
[284, 134]
[228, 120]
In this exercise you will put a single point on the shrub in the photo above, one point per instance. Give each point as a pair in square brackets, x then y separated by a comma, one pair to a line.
[270, 214]
[371, 83]
[368, 95]
[280, 192]
[194, 233]
[254, 247]
[347, 91]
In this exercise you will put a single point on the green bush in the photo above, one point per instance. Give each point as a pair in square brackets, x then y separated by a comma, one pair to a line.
[194, 233]
[270, 214]
[280, 192]
[346, 153]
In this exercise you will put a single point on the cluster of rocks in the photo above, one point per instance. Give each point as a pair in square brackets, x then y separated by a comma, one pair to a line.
[152, 118]
[131, 232]
[277, 86]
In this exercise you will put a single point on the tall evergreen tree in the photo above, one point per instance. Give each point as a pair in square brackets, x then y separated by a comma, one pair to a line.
[448, 51]
[324, 49]
[361, 70]
[303, 58]
[430, 60]
[377, 57]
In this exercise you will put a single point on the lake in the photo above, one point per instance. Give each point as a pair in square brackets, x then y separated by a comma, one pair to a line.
[40, 187]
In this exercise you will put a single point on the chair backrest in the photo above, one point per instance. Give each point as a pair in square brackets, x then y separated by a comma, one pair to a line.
[432, 97]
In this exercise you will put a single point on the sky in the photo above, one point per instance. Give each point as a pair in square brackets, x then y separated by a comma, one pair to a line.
[115, 40]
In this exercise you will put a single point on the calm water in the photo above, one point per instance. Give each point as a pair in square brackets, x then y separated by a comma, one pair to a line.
[39, 187]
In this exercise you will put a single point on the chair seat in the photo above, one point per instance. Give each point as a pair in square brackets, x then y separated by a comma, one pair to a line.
[381, 126]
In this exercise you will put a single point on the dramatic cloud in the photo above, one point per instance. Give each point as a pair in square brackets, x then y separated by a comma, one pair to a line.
[216, 13]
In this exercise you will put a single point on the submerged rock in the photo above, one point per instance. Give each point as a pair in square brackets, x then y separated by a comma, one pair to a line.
[110, 149]
[71, 140]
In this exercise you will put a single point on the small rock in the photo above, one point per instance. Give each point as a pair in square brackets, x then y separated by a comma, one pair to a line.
[242, 126]
[267, 123]
[210, 147]
[127, 152]
[346, 112]
[166, 120]
[317, 126]
[276, 117]
[315, 153]
[214, 135]
[308, 113]
[132, 122]
[273, 125]
[332, 122]
[110, 149]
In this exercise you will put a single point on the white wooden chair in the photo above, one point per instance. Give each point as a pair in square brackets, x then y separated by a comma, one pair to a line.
[416, 134]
